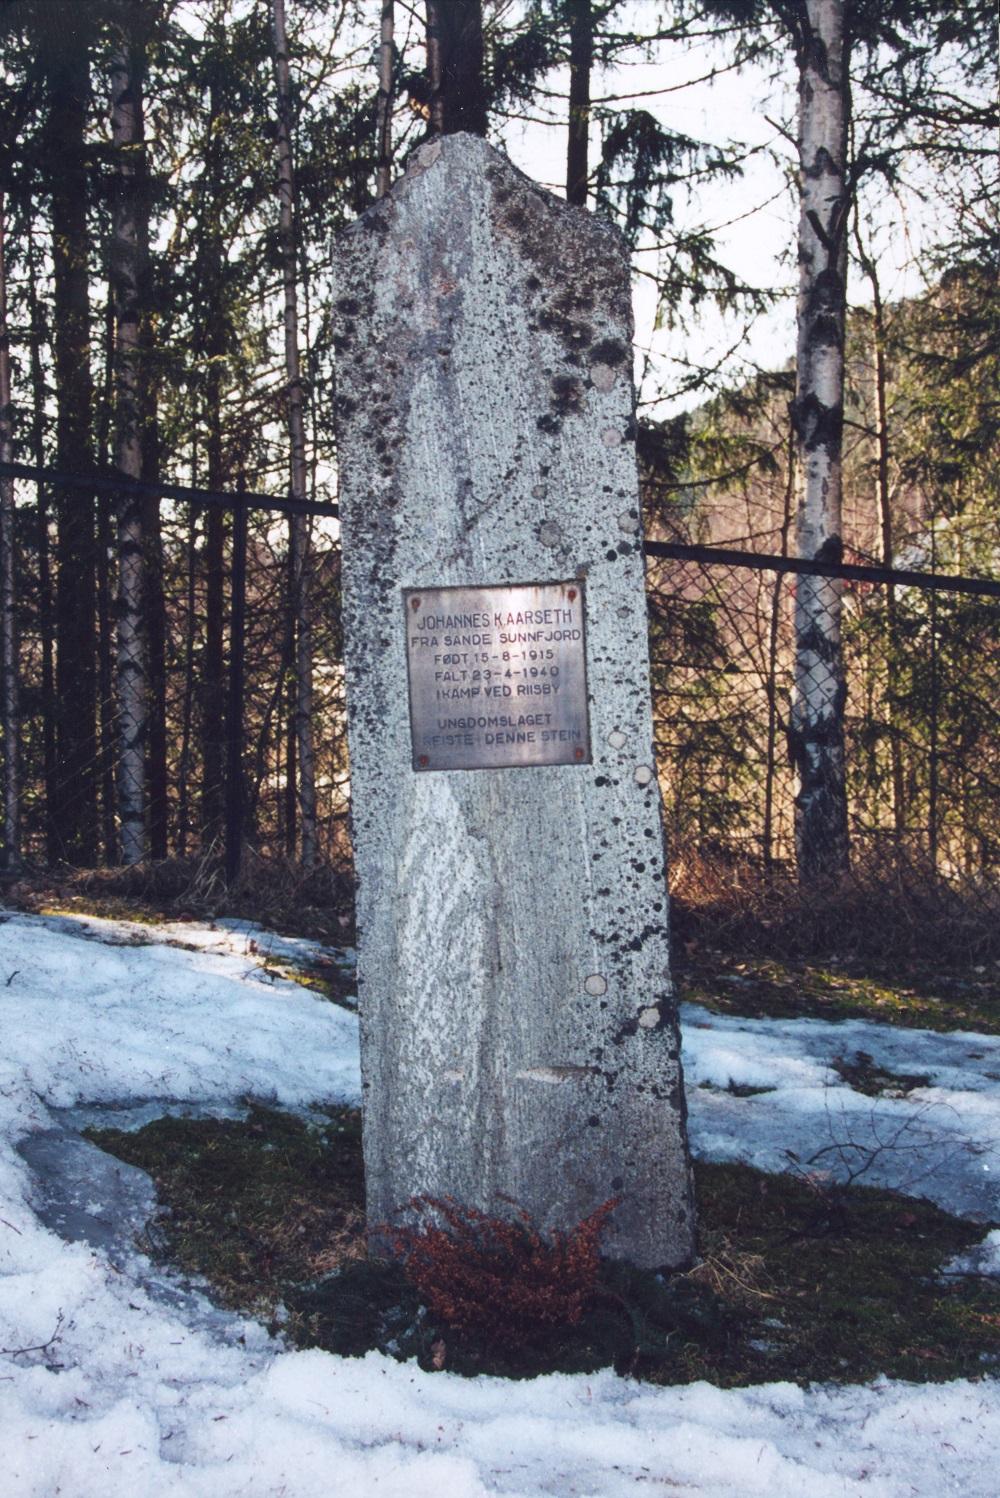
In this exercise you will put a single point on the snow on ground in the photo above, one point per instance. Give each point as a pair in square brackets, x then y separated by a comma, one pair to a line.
[131, 1388]
[983, 1259]
[940, 1141]
[226, 934]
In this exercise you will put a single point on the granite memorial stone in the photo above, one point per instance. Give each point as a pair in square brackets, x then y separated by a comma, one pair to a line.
[519, 1034]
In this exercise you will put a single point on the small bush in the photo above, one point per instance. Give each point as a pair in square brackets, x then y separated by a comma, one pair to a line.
[498, 1276]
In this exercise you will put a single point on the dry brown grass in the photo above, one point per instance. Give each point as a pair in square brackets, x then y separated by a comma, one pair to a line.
[888, 908]
[276, 892]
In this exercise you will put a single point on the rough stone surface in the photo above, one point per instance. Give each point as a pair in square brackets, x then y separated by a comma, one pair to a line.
[519, 1034]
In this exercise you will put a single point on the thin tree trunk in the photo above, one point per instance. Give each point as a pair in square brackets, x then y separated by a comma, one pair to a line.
[774, 624]
[213, 679]
[42, 543]
[455, 66]
[291, 754]
[816, 735]
[156, 608]
[10, 726]
[106, 551]
[128, 254]
[187, 701]
[235, 788]
[156, 646]
[883, 495]
[73, 814]
[383, 109]
[298, 528]
[933, 787]
[581, 61]
[106, 726]
[213, 683]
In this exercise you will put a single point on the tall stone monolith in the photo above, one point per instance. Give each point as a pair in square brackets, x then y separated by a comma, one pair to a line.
[519, 1035]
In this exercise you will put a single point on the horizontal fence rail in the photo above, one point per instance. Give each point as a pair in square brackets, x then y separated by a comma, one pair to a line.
[105, 483]
[722, 556]
[675, 550]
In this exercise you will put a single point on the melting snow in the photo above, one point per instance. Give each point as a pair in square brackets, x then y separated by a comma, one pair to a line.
[116, 1382]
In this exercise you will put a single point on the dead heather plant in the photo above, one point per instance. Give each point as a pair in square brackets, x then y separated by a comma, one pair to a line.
[499, 1276]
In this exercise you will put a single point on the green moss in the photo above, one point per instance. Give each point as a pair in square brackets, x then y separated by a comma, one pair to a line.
[794, 1282]
[254, 1205]
[323, 976]
[847, 1283]
[917, 996]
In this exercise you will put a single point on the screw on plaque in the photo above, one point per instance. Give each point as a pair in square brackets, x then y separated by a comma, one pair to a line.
[577, 753]
[571, 594]
[422, 759]
[414, 604]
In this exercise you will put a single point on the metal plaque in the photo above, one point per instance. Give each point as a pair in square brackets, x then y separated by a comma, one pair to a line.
[498, 676]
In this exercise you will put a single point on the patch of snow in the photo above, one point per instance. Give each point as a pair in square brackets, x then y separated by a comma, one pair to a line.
[84, 1021]
[941, 1141]
[111, 1388]
[225, 934]
[984, 1259]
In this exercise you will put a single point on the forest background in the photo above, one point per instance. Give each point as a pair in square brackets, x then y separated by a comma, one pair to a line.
[174, 173]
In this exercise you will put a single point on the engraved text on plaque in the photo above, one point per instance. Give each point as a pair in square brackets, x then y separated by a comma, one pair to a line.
[497, 676]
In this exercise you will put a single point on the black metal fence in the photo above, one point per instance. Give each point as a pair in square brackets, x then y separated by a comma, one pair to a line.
[920, 659]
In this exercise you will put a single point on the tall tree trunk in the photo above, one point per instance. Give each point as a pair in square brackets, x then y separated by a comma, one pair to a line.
[455, 66]
[298, 528]
[816, 735]
[235, 717]
[10, 726]
[156, 608]
[884, 500]
[187, 700]
[73, 814]
[383, 110]
[128, 254]
[107, 551]
[290, 799]
[581, 61]
[773, 635]
[42, 544]
[156, 647]
[213, 681]
[213, 677]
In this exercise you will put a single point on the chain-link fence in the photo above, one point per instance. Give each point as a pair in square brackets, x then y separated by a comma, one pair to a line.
[783, 691]
[887, 681]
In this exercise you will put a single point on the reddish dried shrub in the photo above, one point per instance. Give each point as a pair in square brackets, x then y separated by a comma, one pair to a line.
[498, 1275]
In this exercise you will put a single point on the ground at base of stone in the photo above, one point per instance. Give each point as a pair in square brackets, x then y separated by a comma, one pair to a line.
[795, 1280]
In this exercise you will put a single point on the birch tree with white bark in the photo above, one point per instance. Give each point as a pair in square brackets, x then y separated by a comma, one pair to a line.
[816, 732]
[383, 107]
